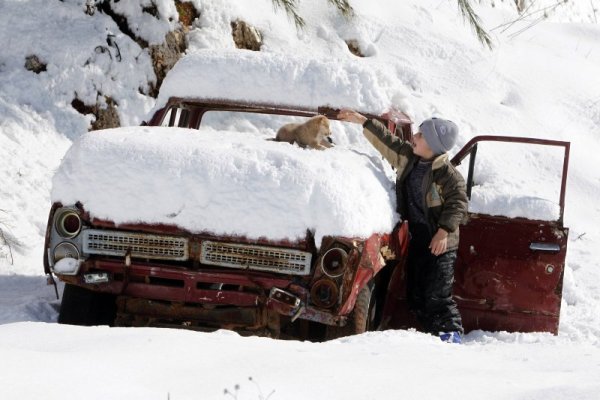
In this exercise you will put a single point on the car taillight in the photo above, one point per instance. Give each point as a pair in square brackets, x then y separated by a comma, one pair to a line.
[324, 293]
[334, 261]
[68, 223]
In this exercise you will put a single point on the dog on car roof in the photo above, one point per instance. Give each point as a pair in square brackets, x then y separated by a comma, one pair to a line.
[313, 133]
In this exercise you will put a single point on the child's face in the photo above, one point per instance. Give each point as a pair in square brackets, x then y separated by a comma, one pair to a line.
[420, 146]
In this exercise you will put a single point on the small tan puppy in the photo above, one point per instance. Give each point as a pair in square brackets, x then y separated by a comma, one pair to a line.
[312, 133]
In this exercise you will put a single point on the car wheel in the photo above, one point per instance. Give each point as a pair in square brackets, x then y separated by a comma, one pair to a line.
[81, 306]
[362, 317]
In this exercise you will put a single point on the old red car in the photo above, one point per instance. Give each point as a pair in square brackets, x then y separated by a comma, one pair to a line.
[508, 275]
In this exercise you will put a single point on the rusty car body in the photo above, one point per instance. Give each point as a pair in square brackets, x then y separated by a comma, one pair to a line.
[162, 275]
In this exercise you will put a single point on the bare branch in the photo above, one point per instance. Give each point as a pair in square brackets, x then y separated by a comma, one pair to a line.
[12, 260]
[8, 239]
[540, 15]
[522, 15]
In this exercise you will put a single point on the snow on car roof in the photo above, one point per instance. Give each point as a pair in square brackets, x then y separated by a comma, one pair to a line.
[225, 183]
[280, 79]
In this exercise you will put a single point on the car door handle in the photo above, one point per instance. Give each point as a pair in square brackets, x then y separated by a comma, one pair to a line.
[550, 247]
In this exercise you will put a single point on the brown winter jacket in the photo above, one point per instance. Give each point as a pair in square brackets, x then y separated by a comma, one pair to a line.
[444, 188]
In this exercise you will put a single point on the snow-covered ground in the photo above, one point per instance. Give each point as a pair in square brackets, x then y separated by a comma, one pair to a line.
[541, 81]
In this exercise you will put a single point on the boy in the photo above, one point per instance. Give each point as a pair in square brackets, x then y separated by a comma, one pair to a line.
[431, 196]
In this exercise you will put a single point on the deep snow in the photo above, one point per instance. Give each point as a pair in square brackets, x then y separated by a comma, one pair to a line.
[542, 81]
[226, 183]
[279, 78]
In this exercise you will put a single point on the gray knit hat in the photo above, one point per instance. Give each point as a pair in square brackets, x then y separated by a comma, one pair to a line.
[440, 134]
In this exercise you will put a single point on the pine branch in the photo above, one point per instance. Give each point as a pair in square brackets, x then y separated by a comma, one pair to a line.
[291, 9]
[468, 13]
[344, 7]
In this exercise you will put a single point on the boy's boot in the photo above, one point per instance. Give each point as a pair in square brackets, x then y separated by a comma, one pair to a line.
[451, 337]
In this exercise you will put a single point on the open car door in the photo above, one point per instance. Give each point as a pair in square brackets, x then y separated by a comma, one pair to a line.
[511, 259]
[510, 267]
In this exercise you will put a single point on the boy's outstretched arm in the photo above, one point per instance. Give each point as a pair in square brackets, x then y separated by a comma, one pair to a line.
[395, 150]
[348, 115]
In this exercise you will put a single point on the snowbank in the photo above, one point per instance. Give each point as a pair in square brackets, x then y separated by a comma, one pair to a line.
[164, 364]
[225, 183]
[279, 78]
[79, 62]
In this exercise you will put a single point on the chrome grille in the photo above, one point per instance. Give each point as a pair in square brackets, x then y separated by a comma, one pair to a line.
[259, 258]
[140, 245]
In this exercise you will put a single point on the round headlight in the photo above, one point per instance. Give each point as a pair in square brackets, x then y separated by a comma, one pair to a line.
[324, 293]
[64, 250]
[334, 261]
[68, 223]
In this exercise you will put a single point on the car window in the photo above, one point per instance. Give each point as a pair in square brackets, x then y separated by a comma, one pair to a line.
[516, 180]
[259, 124]
[267, 125]
[176, 116]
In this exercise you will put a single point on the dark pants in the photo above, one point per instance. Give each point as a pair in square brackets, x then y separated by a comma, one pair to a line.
[429, 285]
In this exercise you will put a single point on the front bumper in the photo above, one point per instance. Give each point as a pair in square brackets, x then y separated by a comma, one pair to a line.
[221, 299]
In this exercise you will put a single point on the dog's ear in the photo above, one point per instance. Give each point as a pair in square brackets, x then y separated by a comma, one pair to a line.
[325, 125]
[315, 122]
[322, 119]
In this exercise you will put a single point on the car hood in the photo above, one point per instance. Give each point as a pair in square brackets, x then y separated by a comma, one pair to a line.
[225, 183]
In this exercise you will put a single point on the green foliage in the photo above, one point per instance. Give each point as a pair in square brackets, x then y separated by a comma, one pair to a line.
[291, 8]
[468, 13]
[344, 7]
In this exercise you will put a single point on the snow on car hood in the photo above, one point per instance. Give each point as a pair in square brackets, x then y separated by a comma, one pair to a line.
[281, 79]
[225, 183]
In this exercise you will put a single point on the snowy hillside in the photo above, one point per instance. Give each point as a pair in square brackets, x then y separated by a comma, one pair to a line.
[540, 80]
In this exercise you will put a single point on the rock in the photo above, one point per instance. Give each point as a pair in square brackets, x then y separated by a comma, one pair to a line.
[106, 115]
[33, 63]
[164, 56]
[354, 47]
[187, 12]
[105, 112]
[245, 36]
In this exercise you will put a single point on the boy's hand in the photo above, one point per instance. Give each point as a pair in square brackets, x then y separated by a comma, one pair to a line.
[351, 116]
[439, 242]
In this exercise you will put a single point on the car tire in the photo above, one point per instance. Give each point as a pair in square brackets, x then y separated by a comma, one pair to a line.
[80, 306]
[365, 310]
[362, 317]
